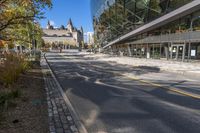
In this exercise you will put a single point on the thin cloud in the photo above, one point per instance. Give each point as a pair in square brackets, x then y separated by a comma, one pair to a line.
[52, 23]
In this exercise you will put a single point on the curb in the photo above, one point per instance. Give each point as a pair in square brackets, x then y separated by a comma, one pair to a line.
[74, 114]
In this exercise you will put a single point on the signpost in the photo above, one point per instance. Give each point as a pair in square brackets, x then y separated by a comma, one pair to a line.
[193, 53]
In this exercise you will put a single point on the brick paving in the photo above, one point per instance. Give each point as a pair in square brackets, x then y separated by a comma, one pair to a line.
[60, 119]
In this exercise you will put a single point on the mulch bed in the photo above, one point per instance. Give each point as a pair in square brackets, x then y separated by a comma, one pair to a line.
[29, 113]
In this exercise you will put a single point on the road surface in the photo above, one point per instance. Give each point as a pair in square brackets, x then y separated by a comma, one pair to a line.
[109, 103]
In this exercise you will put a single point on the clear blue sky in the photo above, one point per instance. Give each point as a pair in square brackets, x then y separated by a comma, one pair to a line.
[77, 10]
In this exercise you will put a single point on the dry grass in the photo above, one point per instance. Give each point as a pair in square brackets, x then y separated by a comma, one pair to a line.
[11, 67]
[28, 112]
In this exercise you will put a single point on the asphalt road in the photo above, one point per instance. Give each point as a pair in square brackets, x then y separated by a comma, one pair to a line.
[106, 102]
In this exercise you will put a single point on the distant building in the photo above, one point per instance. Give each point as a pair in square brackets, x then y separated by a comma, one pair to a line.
[90, 38]
[66, 37]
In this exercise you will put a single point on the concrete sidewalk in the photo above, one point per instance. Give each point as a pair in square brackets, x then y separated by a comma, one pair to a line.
[184, 68]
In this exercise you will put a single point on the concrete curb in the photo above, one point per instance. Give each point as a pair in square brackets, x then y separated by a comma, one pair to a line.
[74, 114]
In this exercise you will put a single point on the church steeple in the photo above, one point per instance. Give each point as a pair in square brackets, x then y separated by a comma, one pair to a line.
[48, 25]
[70, 25]
[81, 29]
[70, 22]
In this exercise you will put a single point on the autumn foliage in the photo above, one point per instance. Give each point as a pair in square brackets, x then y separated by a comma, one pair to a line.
[18, 19]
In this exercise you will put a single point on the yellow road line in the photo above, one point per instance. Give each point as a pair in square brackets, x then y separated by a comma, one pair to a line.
[164, 87]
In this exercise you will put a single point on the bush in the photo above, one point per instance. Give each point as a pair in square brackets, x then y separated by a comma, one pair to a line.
[11, 68]
[34, 55]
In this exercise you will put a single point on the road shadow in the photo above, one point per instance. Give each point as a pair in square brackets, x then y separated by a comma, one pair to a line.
[105, 72]
[98, 85]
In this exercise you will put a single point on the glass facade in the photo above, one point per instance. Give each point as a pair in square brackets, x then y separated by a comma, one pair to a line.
[114, 18]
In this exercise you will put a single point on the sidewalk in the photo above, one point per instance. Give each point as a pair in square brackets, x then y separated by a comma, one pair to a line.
[184, 68]
[60, 118]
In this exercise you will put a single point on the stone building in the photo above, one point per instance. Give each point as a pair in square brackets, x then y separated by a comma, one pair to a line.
[65, 37]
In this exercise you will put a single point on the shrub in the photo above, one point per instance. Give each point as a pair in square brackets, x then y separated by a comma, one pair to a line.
[11, 68]
[34, 55]
[24, 64]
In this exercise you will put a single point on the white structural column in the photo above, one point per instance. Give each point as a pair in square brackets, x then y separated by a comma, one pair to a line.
[129, 51]
[183, 55]
[148, 51]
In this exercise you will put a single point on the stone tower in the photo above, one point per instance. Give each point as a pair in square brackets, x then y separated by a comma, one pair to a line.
[82, 30]
[48, 25]
[70, 26]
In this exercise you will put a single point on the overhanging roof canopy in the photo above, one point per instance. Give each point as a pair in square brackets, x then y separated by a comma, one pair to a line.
[178, 13]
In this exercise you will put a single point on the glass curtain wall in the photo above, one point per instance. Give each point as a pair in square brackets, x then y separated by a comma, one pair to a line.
[114, 18]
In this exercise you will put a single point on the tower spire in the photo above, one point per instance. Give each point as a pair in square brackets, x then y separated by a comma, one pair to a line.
[48, 22]
[70, 22]
[70, 25]
[81, 29]
[48, 25]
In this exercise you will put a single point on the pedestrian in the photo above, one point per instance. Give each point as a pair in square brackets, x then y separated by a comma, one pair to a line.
[60, 49]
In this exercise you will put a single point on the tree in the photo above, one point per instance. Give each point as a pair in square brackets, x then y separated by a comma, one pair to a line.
[18, 20]
[96, 44]
[23, 34]
[20, 11]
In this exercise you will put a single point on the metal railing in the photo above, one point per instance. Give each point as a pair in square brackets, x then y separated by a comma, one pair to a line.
[193, 36]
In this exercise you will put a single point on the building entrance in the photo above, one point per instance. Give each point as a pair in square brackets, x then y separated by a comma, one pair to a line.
[178, 52]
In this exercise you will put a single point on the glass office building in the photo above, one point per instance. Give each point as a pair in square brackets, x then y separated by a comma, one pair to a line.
[168, 29]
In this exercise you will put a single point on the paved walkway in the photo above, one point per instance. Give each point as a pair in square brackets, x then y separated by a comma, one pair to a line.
[185, 68]
[60, 119]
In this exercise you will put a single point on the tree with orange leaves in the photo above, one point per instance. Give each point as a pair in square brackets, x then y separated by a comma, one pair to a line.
[17, 19]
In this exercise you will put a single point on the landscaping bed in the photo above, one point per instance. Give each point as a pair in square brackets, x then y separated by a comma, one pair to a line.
[25, 110]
